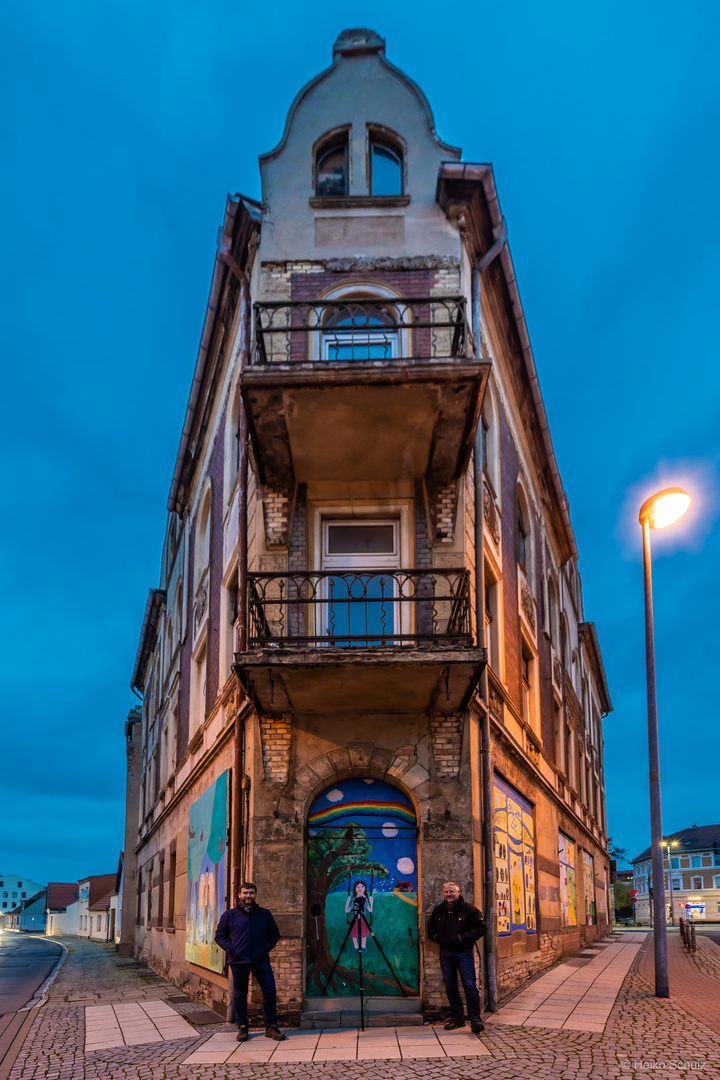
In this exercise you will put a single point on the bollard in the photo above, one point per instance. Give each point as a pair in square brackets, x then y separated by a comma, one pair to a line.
[682, 929]
[693, 939]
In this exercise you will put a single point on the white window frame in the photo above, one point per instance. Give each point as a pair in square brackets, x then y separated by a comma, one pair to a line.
[350, 562]
[399, 511]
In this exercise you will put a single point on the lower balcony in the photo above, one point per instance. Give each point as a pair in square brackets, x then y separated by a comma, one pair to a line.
[360, 641]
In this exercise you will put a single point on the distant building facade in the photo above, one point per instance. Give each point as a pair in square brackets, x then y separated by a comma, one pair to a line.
[94, 906]
[14, 889]
[692, 872]
[63, 903]
[366, 669]
[29, 916]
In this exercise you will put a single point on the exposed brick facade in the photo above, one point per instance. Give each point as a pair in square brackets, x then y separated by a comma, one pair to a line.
[446, 737]
[276, 735]
[277, 515]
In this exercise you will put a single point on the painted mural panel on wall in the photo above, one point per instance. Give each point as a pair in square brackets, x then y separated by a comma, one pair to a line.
[207, 832]
[362, 892]
[514, 841]
[589, 882]
[568, 887]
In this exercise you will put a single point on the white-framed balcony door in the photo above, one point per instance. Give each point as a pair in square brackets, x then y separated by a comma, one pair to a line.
[359, 606]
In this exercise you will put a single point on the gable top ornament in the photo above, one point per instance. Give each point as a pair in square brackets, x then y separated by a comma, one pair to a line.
[359, 40]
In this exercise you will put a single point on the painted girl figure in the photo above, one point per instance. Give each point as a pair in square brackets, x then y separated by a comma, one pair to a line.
[357, 903]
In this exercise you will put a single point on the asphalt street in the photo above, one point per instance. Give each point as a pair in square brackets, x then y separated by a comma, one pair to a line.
[26, 961]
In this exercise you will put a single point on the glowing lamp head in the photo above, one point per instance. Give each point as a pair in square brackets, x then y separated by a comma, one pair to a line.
[664, 508]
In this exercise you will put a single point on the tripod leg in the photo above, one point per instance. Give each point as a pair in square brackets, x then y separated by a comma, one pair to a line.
[362, 989]
[338, 957]
[392, 972]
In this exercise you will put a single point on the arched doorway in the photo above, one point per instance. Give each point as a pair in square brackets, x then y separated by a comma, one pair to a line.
[362, 892]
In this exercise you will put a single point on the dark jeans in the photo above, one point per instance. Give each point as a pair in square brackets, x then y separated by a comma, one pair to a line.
[263, 973]
[461, 963]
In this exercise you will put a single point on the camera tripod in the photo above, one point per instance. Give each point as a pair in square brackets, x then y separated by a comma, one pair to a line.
[356, 921]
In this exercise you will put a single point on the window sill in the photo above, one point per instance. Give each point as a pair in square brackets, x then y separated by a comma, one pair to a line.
[347, 202]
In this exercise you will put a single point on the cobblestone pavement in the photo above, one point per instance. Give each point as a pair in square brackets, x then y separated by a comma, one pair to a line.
[694, 978]
[642, 1035]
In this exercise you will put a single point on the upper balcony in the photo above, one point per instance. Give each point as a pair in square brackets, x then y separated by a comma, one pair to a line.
[360, 641]
[389, 384]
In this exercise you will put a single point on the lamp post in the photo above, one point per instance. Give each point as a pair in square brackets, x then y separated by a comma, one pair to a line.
[670, 844]
[657, 512]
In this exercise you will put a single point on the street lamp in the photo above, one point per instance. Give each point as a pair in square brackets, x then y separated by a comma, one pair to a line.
[657, 512]
[670, 844]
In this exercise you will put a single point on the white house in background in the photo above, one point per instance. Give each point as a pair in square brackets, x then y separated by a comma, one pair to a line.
[29, 917]
[14, 889]
[116, 904]
[94, 905]
[63, 908]
[97, 910]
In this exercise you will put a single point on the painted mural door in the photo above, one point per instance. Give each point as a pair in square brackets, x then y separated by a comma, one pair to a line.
[362, 892]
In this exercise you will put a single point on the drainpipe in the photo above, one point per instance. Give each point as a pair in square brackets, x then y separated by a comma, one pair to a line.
[237, 841]
[238, 852]
[485, 760]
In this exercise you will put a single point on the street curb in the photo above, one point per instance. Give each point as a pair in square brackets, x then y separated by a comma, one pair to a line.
[40, 996]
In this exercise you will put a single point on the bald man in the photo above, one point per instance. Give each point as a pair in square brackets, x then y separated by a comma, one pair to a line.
[455, 925]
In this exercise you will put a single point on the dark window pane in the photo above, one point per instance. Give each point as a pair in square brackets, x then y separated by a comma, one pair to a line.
[360, 539]
[332, 172]
[386, 171]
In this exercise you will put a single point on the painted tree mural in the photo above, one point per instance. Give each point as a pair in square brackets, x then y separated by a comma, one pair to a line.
[362, 830]
[332, 855]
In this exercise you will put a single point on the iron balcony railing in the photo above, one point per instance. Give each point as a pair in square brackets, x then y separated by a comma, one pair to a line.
[361, 330]
[359, 607]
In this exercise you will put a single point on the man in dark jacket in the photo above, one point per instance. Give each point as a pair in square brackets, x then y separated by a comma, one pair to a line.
[456, 925]
[248, 933]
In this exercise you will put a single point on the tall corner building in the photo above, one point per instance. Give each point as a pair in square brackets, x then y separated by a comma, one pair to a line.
[366, 669]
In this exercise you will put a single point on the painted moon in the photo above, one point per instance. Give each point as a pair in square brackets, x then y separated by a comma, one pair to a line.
[389, 829]
[405, 866]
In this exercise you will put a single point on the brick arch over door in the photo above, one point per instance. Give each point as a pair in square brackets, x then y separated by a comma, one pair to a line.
[399, 767]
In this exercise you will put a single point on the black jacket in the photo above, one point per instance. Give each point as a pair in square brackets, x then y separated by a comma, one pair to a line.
[457, 927]
[247, 937]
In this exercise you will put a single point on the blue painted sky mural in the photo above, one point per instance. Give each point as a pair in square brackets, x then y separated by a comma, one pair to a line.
[125, 126]
[388, 821]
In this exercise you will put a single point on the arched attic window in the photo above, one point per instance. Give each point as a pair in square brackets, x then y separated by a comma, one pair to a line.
[553, 612]
[524, 536]
[232, 444]
[202, 537]
[332, 165]
[489, 430]
[565, 647]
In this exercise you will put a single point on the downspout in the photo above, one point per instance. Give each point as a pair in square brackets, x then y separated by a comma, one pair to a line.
[238, 846]
[237, 840]
[485, 760]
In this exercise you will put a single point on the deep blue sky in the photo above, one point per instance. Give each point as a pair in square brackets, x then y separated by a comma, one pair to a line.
[125, 125]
